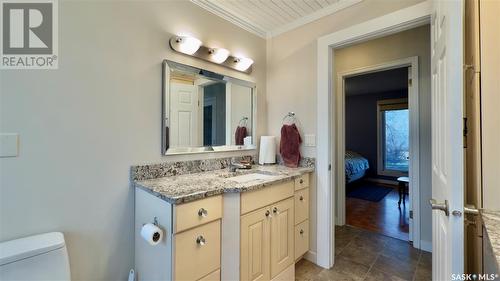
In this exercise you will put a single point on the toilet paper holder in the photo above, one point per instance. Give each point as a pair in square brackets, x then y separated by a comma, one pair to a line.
[155, 222]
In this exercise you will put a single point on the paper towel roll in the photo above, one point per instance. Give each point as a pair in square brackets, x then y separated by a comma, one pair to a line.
[247, 141]
[151, 233]
[267, 153]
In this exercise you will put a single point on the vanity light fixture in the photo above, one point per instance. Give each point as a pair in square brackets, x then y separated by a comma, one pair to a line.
[185, 44]
[218, 55]
[242, 63]
[191, 46]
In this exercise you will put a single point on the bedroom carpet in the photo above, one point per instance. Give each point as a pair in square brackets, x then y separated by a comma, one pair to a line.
[368, 191]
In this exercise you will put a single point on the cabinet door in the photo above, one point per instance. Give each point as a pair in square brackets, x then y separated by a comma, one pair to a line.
[282, 224]
[255, 246]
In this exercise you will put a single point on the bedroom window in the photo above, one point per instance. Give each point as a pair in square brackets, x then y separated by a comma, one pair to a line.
[393, 137]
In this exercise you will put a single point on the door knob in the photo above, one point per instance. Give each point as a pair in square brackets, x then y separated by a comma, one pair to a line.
[471, 209]
[440, 206]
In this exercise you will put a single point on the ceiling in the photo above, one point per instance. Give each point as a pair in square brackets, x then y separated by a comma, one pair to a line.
[268, 18]
[377, 82]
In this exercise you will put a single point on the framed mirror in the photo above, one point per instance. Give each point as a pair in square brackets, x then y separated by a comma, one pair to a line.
[203, 111]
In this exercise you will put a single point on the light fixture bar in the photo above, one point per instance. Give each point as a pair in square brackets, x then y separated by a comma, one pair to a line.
[218, 56]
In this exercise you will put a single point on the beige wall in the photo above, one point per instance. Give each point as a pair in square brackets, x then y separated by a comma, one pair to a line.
[292, 77]
[490, 102]
[414, 42]
[82, 126]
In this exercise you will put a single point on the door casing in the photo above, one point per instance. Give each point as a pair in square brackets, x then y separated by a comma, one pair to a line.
[414, 171]
[391, 23]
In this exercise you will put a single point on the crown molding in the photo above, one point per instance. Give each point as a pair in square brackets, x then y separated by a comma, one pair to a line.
[231, 17]
[340, 5]
[254, 28]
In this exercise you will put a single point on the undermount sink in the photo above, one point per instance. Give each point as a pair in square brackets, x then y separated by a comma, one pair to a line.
[252, 177]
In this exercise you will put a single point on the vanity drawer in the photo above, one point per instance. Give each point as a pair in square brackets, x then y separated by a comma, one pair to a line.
[301, 239]
[302, 181]
[253, 200]
[197, 213]
[214, 276]
[194, 259]
[301, 205]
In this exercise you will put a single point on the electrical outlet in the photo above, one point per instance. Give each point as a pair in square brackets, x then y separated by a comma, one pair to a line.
[9, 145]
[309, 140]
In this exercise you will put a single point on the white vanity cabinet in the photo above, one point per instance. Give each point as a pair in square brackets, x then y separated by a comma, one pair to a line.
[251, 235]
[301, 199]
[191, 246]
[274, 230]
[267, 246]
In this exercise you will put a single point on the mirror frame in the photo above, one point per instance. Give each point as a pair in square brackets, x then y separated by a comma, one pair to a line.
[167, 65]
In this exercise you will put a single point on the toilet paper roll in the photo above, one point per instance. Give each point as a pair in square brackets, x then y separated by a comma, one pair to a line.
[151, 233]
[267, 154]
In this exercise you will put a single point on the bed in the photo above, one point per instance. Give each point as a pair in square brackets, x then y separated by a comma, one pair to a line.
[355, 166]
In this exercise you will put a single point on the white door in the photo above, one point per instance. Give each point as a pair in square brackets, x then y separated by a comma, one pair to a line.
[184, 103]
[447, 139]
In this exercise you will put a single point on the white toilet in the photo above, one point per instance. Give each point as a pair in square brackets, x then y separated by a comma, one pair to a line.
[39, 257]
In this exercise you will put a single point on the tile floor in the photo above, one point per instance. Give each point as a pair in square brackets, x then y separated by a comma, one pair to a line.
[362, 255]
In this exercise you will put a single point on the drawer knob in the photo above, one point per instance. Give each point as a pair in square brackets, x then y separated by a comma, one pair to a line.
[202, 212]
[200, 240]
[301, 198]
[275, 210]
[301, 231]
[301, 181]
[268, 213]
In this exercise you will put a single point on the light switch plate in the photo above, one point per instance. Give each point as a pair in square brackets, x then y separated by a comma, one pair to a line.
[309, 140]
[9, 145]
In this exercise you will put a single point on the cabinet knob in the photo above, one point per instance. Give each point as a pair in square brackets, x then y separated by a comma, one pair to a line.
[301, 181]
[268, 213]
[200, 240]
[301, 198]
[301, 231]
[202, 212]
[275, 210]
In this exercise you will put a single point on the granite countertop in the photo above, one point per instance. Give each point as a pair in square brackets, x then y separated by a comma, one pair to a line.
[491, 221]
[189, 187]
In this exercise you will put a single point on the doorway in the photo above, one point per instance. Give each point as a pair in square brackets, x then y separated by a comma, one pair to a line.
[377, 152]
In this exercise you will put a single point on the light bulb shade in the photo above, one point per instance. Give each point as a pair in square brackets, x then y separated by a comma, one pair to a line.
[242, 63]
[185, 44]
[219, 55]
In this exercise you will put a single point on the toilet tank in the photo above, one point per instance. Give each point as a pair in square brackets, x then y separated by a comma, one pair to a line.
[39, 257]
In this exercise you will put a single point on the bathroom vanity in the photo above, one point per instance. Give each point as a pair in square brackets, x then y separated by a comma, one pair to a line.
[221, 225]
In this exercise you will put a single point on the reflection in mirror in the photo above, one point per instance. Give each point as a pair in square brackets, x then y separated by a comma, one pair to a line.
[204, 111]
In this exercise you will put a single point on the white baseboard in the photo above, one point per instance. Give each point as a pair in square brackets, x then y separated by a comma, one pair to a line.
[383, 181]
[426, 246]
[311, 256]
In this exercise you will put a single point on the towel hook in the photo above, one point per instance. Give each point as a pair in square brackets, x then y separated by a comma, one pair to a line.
[290, 116]
[243, 121]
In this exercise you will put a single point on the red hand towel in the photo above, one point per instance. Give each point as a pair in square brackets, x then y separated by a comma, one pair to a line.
[241, 133]
[289, 145]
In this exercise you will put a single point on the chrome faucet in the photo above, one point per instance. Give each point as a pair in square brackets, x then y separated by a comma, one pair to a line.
[233, 166]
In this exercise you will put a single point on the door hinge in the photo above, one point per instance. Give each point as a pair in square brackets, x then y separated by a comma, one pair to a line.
[329, 167]
[411, 214]
[409, 82]
[465, 131]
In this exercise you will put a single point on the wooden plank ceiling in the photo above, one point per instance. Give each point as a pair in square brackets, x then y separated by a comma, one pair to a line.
[268, 18]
